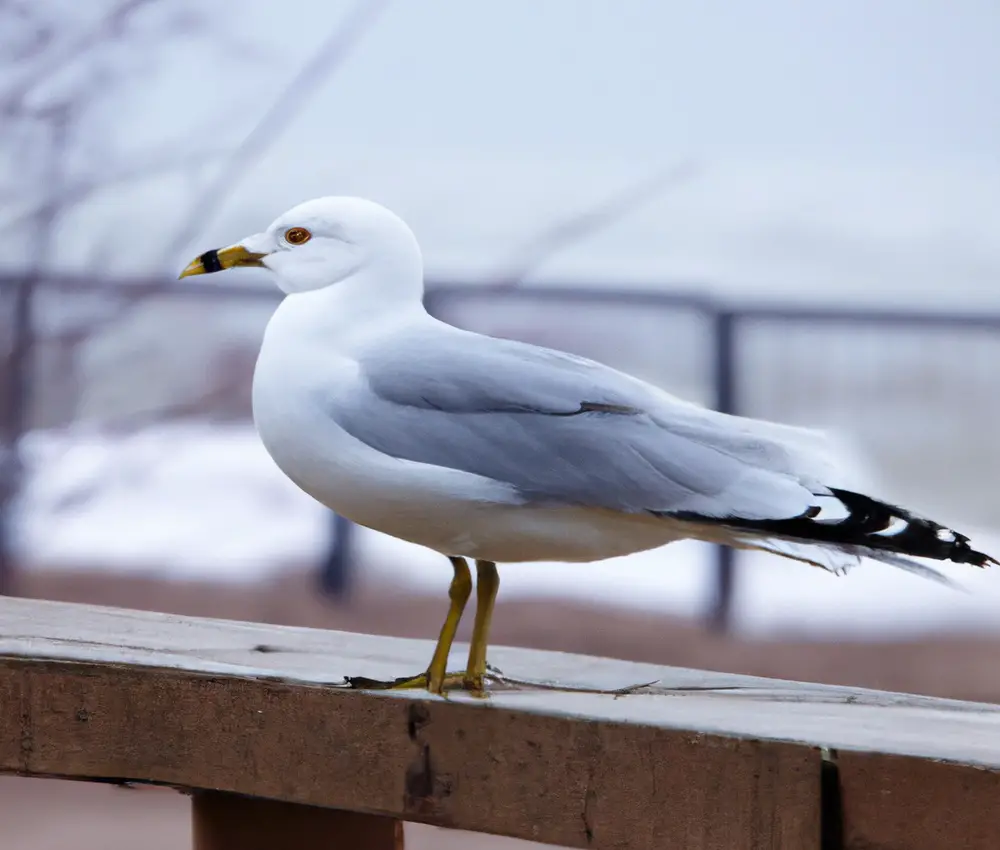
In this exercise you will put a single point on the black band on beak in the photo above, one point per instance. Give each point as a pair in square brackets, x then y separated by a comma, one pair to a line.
[210, 261]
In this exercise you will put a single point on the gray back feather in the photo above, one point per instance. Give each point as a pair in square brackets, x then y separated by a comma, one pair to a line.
[558, 428]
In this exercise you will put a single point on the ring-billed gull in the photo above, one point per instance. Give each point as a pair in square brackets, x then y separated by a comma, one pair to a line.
[496, 450]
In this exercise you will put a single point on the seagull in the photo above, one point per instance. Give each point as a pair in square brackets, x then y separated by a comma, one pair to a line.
[498, 451]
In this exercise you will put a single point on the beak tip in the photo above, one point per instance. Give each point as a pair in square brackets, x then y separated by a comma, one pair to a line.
[192, 268]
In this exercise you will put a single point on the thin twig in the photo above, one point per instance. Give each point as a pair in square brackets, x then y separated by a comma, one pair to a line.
[17, 390]
[580, 226]
[331, 54]
[110, 27]
[50, 132]
[79, 190]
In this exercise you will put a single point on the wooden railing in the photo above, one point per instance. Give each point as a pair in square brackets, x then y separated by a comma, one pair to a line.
[253, 722]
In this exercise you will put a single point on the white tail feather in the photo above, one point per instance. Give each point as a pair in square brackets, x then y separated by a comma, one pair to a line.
[841, 560]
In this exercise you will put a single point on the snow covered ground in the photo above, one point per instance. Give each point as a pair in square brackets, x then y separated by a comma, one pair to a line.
[206, 502]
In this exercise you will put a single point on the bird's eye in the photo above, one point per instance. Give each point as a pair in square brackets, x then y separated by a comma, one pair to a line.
[297, 235]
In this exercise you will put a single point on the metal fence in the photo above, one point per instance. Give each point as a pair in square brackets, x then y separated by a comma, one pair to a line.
[916, 393]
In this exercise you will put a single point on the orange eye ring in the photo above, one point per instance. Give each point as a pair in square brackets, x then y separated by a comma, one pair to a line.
[297, 236]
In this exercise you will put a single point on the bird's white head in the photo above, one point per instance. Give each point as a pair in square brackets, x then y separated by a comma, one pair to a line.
[324, 242]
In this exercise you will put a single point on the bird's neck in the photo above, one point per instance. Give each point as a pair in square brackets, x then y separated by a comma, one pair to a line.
[347, 308]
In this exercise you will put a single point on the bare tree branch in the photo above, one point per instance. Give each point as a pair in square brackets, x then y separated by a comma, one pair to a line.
[43, 51]
[580, 226]
[16, 399]
[77, 191]
[45, 129]
[332, 53]
[111, 25]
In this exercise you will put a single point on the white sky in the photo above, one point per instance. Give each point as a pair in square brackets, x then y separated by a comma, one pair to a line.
[849, 149]
[857, 80]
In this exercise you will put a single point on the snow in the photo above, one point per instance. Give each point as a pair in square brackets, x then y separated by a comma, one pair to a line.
[201, 501]
[178, 500]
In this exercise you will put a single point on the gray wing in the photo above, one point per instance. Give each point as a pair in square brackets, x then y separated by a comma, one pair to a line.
[560, 429]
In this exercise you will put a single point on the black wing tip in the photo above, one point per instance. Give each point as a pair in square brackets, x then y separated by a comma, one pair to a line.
[921, 537]
[968, 555]
[864, 528]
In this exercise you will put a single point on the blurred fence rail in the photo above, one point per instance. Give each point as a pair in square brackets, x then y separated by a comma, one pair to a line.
[915, 393]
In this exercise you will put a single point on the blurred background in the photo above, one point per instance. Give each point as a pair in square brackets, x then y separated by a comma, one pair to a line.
[779, 209]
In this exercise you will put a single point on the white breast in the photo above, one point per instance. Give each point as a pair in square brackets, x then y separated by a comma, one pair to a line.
[296, 382]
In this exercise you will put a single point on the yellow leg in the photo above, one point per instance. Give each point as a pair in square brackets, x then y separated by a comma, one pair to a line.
[436, 676]
[458, 593]
[487, 585]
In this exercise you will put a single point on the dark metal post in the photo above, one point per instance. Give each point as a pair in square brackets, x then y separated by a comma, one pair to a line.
[336, 572]
[15, 399]
[721, 611]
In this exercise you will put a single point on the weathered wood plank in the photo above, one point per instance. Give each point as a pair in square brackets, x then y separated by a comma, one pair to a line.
[88, 692]
[895, 802]
[700, 760]
[719, 703]
[549, 778]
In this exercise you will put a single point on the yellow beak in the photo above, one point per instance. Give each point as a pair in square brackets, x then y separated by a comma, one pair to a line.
[226, 258]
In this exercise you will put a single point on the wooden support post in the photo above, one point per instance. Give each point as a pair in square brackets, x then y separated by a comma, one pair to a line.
[233, 822]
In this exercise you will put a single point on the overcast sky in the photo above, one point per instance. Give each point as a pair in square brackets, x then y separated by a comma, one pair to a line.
[850, 144]
[852, 79]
